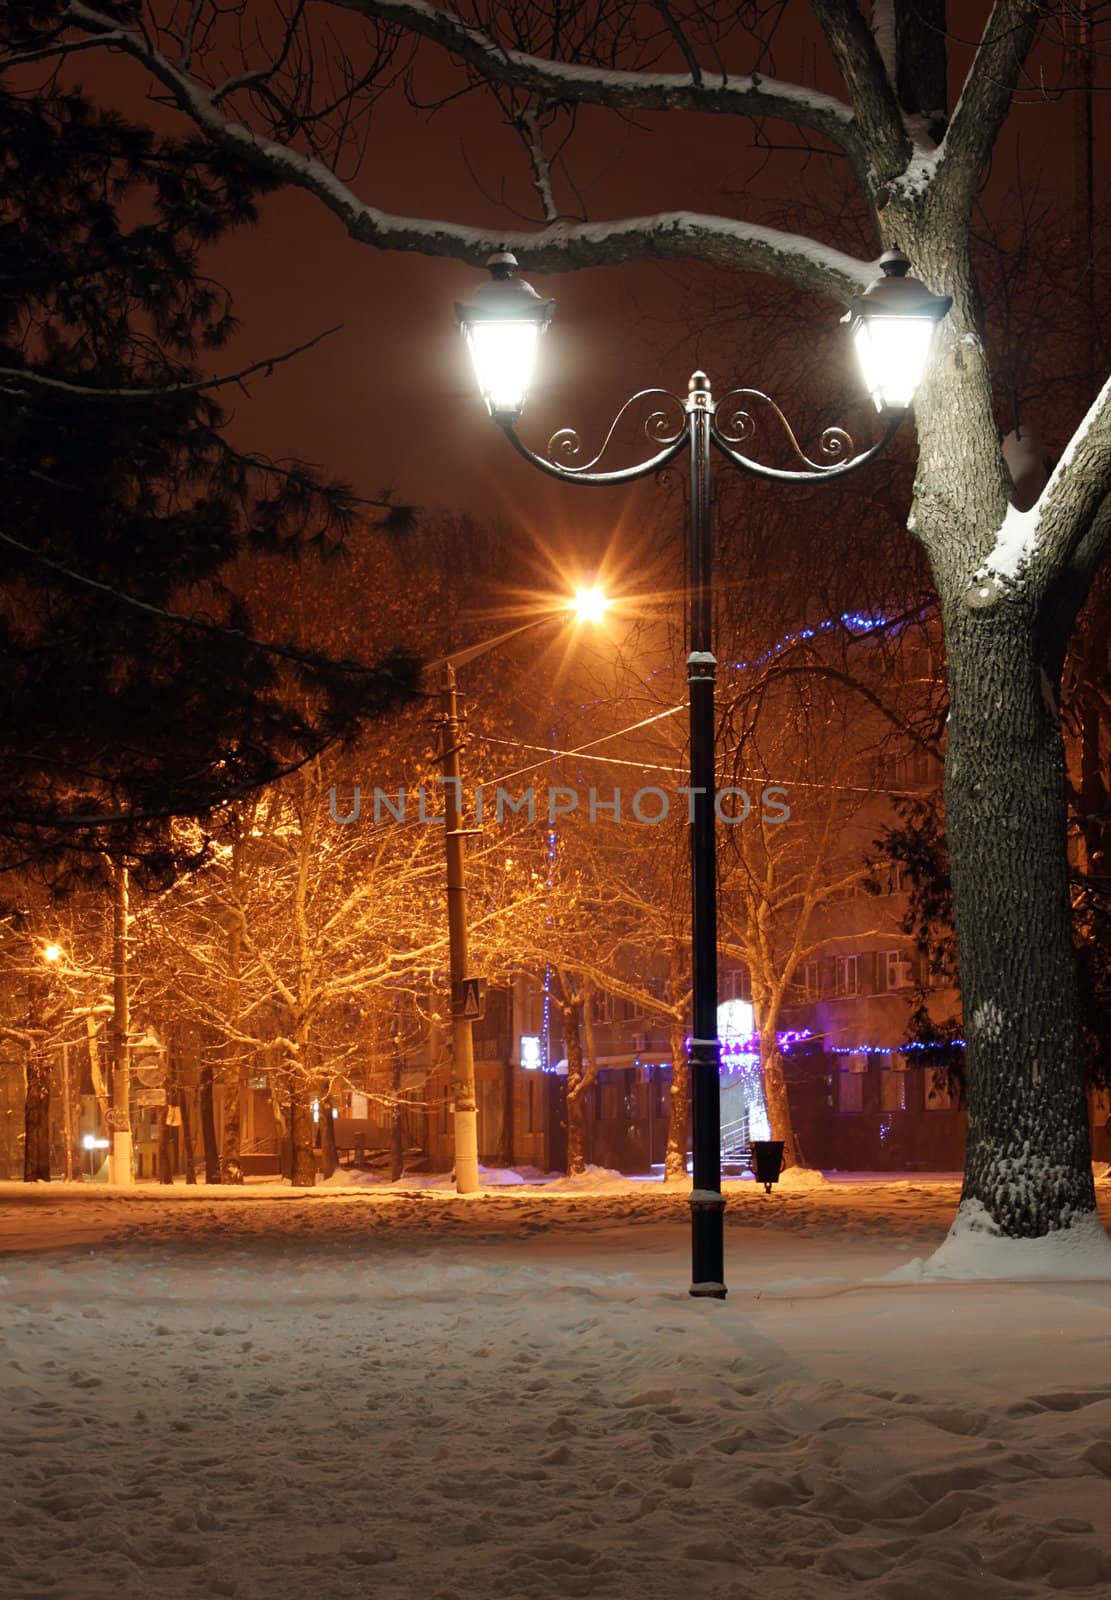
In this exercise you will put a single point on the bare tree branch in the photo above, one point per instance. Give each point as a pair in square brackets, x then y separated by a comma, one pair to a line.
[870, 90]
[986, 98]
[811, 267]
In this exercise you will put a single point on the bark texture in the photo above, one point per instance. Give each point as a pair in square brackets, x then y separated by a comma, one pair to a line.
[572, 1033]
[302, 1160]
[1028, 1159]
[208, 1125]
[36, 1119]
[679, 1107]
[775, 1094]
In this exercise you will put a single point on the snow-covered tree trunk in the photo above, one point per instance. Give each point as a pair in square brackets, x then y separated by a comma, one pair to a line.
[302, 1161]
[1010, 587]
[571, 1008]
[679, 1105]
[1028, 1159]
[775, 1094]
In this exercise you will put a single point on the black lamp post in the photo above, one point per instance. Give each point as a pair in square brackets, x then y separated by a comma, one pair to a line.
[892, 324]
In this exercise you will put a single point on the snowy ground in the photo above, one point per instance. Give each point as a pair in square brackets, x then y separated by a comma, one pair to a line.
[415, 1397]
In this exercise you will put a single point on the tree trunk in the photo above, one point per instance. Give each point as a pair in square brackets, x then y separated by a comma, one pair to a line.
[231, 1167]
[329, 1155]
[208, 1126]
[1028, 1160]
[679, 1110]
[36, 1119]
[508, 1141]
[188, 1156]
[72, 1167]
[777, 1101]
[397, 1126]
[302, 1161]
[165, 1163]
[572, 1035]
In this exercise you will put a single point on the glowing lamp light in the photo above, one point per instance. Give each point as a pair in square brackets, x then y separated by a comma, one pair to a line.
[590, 605]
[892, 325]
[530, 1052]
[52, 952]
[90, 1141]
[502, 325]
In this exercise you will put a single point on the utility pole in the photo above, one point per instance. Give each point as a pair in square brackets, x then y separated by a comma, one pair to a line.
[69, 1132]
[462, 1041]
[119, 1111]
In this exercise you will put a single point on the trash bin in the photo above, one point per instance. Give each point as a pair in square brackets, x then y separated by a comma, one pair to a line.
[768, 1157]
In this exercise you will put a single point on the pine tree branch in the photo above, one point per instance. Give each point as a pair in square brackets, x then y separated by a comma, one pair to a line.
[17, 380]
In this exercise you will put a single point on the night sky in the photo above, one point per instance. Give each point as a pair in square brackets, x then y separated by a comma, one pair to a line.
[391, 401]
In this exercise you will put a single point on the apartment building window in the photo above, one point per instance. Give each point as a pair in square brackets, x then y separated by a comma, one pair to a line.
[894, 971]
[893, 1089]
[811, 980]
[737, 985]
[601, 1006]
[846, 975]
[850, 1084]
[938, 1094]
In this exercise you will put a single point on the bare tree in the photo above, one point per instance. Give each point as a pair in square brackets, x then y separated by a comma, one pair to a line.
[1010, 583]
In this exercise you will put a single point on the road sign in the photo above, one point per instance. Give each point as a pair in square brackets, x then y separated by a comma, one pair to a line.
[469, 999]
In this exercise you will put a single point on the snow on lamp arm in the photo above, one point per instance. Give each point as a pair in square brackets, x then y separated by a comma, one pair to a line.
[893, 322]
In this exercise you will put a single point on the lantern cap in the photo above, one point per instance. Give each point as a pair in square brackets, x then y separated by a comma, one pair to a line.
[895, 293]
[502, 323]
[505, 298]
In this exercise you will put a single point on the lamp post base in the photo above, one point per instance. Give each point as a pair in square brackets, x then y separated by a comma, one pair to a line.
[707, 1231]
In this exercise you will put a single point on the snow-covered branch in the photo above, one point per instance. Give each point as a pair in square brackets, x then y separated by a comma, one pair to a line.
[571, 83]
[808, 265]
[1035, 547]
[870, 89]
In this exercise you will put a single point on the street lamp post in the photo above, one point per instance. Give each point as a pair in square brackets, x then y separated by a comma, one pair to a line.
[587, 606]
[892, 324]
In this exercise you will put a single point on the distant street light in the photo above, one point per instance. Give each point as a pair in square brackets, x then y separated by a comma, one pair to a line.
[892, 325]
[52, 953]
[588, 605]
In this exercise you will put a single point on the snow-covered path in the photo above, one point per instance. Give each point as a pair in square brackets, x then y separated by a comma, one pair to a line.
[513, 1398]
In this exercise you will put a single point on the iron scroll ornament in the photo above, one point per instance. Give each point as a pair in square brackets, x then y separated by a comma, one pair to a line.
[835, 443]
